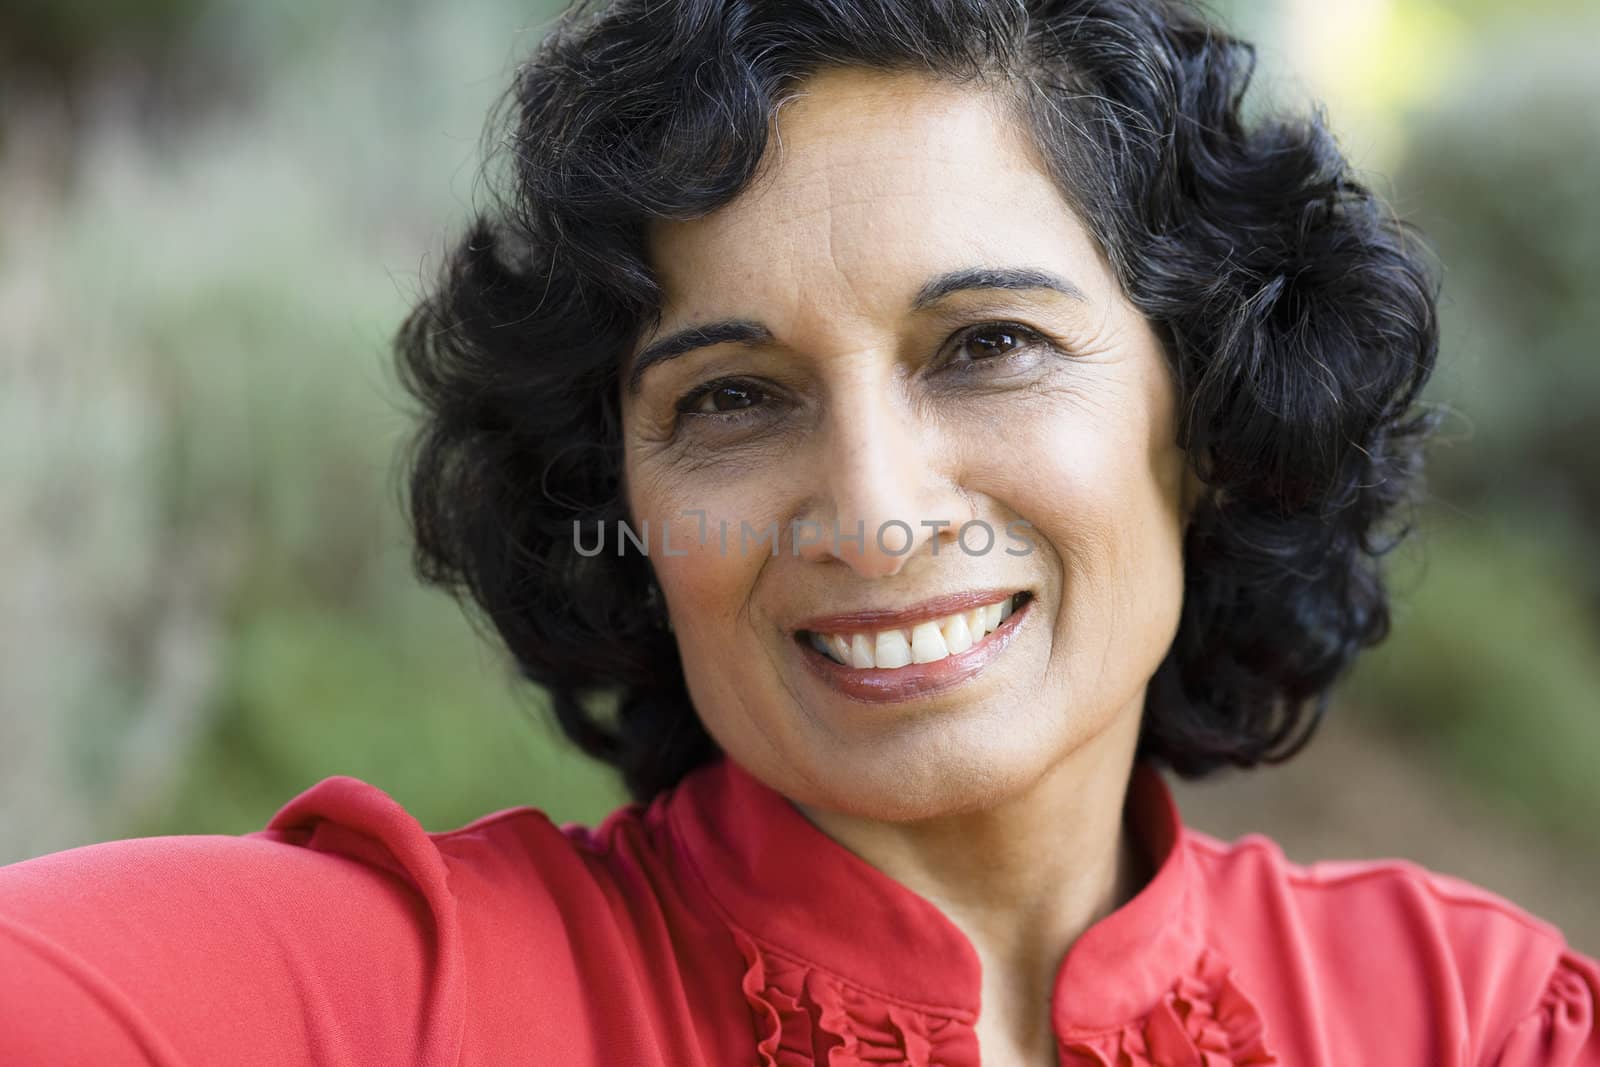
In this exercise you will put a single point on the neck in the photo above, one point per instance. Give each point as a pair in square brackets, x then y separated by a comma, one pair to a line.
[1024, 878]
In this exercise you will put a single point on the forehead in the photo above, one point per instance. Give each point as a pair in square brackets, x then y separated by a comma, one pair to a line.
[873, 181]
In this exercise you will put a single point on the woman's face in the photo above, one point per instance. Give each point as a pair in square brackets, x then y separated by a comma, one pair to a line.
[927, 338]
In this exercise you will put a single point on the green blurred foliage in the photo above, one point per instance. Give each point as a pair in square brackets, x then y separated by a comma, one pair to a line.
[1494, 666]
[64, 35]
[1519, 232]
[196, 325]
[1492, 670]
[338, 663]
[310, 692]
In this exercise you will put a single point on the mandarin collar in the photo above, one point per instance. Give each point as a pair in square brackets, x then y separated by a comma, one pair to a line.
[782, 881]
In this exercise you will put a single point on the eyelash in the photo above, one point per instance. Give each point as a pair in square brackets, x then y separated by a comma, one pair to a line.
[1029, 338]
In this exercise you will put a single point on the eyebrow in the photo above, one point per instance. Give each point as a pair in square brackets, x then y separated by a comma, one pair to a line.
[935, 289]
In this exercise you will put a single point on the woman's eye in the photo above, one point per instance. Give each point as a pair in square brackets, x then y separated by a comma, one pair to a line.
[721, 398]
[992, 342]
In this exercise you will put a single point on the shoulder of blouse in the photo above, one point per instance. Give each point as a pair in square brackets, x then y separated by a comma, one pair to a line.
[232, 949]
[1461, 957]
[253, 948]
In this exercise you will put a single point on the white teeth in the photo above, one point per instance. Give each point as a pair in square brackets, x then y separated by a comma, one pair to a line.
[977, 624]
[891, 650]
[957, 635]
[861, 651]
[841, 647]
[927, 642]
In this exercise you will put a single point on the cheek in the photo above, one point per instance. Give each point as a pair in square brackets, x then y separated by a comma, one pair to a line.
[708, 540]
[1101, 484]
[709, 581]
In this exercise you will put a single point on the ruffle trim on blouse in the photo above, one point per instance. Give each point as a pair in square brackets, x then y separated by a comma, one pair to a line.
[1205, 1020]
[806, 1016]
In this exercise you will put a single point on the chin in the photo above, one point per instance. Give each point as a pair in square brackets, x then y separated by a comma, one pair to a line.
[925, 770]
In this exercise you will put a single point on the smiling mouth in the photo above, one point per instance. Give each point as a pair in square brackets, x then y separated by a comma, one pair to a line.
[926, 642]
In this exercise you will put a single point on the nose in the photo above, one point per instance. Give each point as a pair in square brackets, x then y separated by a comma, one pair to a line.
[886, 486]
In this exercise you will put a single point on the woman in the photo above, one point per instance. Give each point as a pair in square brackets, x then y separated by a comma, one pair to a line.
[925, 421]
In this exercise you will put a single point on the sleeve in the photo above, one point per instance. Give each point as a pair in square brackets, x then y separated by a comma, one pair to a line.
[329, 938]
[1563, 1030]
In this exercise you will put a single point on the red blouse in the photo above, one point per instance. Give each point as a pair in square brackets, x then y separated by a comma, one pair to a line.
[718, 926]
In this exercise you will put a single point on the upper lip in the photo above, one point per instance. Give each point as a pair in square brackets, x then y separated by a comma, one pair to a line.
[894, 618]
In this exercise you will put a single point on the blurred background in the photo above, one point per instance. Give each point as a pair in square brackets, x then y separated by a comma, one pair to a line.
[213, 214]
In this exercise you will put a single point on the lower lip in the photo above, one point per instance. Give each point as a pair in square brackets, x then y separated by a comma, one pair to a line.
[888, 686]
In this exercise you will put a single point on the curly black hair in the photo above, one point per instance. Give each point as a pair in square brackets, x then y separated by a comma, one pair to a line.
[1298, 312]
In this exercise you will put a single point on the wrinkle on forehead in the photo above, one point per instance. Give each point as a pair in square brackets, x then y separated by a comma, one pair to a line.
[929, 122]
[862, 166]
